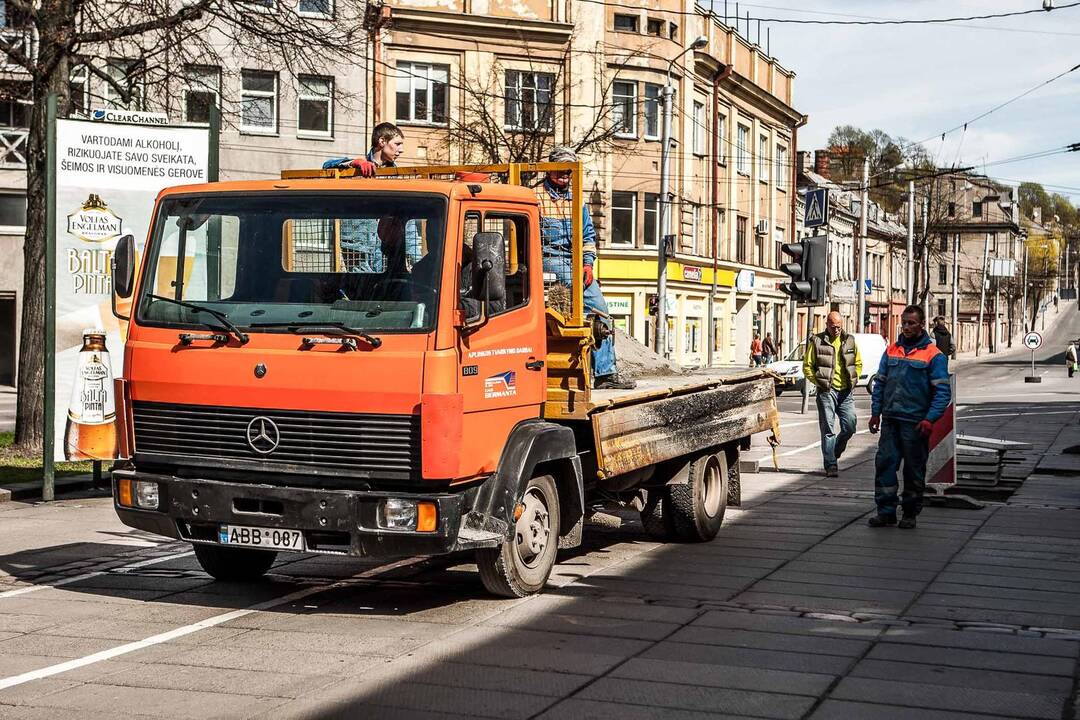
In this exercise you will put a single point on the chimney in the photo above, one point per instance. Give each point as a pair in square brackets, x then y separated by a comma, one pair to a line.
[806, 163]
[1036, 215]
[821, 163]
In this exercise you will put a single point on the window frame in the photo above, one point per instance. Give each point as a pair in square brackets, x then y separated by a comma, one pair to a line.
[764, 157]
[412, 75]
[655, 221]
[780, 162]
[655, 103]
[742, 157]
[629, 107]
[721, 132]
[700, 127]
[138, 94]
[943, 274]
[84, 82]
[742, 224]
[189, 87]
[632, 240]
[521, 221]
[275, 96]
[976, 208]
[519, 101]
[328, 134]
[15, 229]
[636, 21]
[328, 15]
[659, 27]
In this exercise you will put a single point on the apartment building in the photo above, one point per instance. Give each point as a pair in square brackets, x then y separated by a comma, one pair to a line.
[472, 81]
[272, 120]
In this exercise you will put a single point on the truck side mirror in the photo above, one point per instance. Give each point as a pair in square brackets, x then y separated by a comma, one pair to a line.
[488, 280]
[123, 271]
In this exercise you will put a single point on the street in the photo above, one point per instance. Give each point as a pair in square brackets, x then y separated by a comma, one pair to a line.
[796, 610]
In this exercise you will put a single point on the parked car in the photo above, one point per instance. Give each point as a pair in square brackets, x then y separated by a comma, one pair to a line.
[790, 374]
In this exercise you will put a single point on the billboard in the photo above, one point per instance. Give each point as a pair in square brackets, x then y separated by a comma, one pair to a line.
[107, 177]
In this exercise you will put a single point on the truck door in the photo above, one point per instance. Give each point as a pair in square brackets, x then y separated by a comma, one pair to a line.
[503, 379]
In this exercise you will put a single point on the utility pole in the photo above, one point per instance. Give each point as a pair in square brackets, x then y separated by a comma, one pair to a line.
[982, 294]
[926, 254]
[860, 284]
[995, 337]
[956, 283]
[665, 210]
[910, 267]
[1023, 303]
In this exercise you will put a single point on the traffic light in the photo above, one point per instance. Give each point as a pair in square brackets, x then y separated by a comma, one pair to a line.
[807, 270]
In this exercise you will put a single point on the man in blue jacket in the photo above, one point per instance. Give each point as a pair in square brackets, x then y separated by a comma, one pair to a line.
[911, 391]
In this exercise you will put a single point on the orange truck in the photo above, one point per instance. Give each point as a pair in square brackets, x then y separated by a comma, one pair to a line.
[383, 368]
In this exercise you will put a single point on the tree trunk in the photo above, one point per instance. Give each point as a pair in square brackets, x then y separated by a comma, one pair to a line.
[30, 408]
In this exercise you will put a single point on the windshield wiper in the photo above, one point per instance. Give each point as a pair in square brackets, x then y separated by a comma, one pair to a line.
[220, 316]
[323, 328]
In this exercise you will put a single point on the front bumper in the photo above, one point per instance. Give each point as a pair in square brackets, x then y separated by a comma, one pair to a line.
[334, 522]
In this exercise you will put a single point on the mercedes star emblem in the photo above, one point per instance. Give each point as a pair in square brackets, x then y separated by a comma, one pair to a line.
[263, 435]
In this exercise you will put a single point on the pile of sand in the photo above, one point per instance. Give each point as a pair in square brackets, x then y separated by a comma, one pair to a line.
[635, 360]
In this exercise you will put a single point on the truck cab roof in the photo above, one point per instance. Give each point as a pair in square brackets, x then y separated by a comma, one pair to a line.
[451, 189]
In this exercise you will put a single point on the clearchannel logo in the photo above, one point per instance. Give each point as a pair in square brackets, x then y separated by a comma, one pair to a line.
[129, 116]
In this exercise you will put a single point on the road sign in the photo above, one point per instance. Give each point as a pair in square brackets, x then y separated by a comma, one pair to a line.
[1033, 341]
[816, 213]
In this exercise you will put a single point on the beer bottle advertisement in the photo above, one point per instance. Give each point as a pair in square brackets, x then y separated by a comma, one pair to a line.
[107, 178]
[90, 431]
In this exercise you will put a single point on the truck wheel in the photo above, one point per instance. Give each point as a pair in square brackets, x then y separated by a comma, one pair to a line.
[654, 517]
[697, 507]
[522, 564]
[234, 564]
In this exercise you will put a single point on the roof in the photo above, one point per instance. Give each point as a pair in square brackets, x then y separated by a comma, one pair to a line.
[489, 191]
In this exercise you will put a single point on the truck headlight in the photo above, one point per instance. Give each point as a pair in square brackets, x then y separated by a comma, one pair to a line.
[141, 494]
[402, 514]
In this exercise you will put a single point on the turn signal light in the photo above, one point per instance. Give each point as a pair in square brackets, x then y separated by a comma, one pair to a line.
[426, 517]
[138, 494]
[123, 493]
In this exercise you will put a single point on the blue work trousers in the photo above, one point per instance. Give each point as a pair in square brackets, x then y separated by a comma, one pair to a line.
[603, 357]
[831, 405]
[900, 443]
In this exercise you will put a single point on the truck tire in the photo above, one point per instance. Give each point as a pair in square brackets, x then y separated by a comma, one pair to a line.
[655, 518]
[734, 476]
[697, 506]
[234, 564]
[522, 564]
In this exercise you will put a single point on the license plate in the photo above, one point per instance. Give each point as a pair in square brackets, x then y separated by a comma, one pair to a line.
[269, 538]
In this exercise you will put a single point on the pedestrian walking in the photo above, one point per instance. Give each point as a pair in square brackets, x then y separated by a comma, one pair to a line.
[1070, 358]
[768, 349]
[833, 364]
[943, 337]
[911, 393]
[755, 351]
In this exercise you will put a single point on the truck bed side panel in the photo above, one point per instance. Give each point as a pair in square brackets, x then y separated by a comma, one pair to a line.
[641, 434]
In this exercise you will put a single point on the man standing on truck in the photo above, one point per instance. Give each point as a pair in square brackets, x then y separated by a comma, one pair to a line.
[832, 364]
[911, 392]
[555, 196]
[387, 143]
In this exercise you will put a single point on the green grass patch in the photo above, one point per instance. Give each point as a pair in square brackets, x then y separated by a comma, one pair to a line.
[16, 467]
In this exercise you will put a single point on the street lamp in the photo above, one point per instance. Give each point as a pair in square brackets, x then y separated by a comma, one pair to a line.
[665, 206]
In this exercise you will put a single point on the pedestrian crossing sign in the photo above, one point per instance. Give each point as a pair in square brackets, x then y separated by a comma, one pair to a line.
[816, 213]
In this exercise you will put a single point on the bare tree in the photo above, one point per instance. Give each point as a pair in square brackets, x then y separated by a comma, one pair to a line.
[158, 39]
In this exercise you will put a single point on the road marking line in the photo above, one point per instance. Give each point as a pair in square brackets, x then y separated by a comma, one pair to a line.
[1040, 414]
[96, 573]
[210, 622]
[811, 446]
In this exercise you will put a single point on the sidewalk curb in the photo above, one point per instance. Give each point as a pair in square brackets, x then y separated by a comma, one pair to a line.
[32, 490]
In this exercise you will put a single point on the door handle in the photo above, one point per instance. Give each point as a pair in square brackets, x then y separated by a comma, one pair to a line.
[534, 365]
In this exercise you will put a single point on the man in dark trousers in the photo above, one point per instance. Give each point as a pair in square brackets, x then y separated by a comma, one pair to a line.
[833, 364]
[942, 337]
[911, 392]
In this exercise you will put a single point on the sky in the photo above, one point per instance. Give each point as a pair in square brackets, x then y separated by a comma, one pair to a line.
[919, 81]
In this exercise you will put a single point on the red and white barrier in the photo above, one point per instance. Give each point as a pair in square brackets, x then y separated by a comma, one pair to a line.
[941, 463]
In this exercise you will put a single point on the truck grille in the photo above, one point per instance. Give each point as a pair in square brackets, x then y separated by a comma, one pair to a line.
[379, 445]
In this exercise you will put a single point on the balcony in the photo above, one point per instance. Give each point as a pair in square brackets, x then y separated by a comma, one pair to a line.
[13, 148]
[19, 41]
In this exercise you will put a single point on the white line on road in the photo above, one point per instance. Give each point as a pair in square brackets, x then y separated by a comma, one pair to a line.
[87, 576]
[164, 637]
[794, 451]
[1014, 414]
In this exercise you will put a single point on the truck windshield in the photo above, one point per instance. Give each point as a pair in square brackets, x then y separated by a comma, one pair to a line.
[361, 260]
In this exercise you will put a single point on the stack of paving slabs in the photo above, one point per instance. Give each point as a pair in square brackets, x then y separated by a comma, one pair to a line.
[988, 464]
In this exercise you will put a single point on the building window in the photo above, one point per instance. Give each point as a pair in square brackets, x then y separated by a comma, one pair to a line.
[699, 128]
[742, 249]
[673, 32]
[528, 100]
[941, 307]
[624, 109]
[652, 219]
[763, 158]
[976, 208]
[952, 209]
[654, 27]
[943, 274]
[201, 93]
[124, 74]
[13, 211]
[315, 106]
[742, 149]
[695, 226]
[258, 101]
[943, 243]
[79, 91]
[652, 111]
[262, 4]
[422, 92]
[626, 23]
[14, 114]
[721, 134]
[782, 169]
[623, 217]
[320, 8]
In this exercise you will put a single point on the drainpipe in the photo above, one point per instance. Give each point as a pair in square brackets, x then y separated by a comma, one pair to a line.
[793, 333]
[376, 101]
[721, 74]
